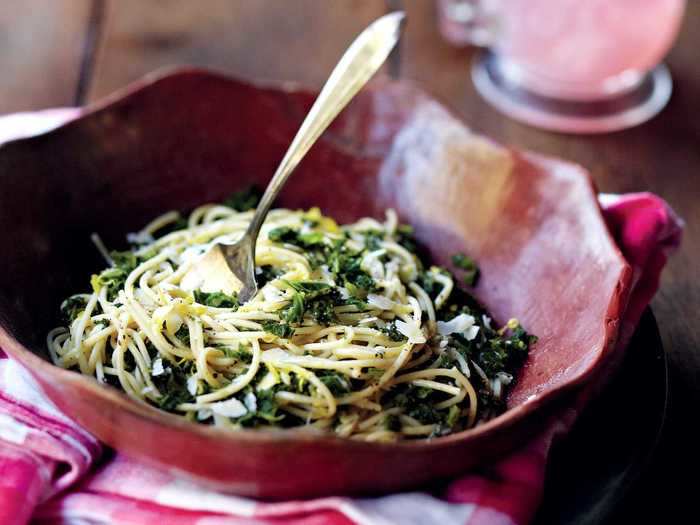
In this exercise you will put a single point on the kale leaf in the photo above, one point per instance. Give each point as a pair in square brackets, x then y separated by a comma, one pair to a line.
[216, 299]
[335, 381]
[310, 289]
[317, 298]
[427, 281]
[359, 304]
[453, 416]
[345, 265]
[287, 235]
[266, 273]
[294, 313]
[126, 261]
[322, 310]
[267, 406]
[393, 333]
[266, 410]
[471, 270]
[72, 307]
[373, 239]
[112, 279]
[244, 200]
[183, 334]
[279, 329]
[416, 403]
[283, 234]
[404, 237]
[241, 354]
[173, 385]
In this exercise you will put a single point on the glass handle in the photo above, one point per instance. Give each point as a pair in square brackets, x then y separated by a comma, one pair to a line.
[468, 22]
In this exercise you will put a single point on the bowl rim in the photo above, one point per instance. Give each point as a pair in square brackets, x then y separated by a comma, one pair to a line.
[42, 368]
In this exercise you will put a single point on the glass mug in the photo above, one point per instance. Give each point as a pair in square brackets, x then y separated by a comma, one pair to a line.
[569, 65]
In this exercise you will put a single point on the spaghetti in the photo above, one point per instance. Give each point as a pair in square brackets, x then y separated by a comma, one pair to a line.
[349, 333]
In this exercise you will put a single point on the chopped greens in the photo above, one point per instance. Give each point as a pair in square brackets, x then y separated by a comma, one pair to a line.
[432, 286]
[244, 200]
[183, 334]
[172, 383]
[283, 234]
[452, 416]
[294, 313]
[463, 262]
[322, 310]
[342, 262]
[393, 333]
[373, 239]
[266, 273]
[318, 299]
[216, 299]
[288, 235]
[71, 307]
[266, 410]
[341, 306]
[471, 270]
[404, 236]
[416, 402]
[126, 261]
[112, 279]
[310, 288]
[334, 381]
[239, 354]
[279, 329]
[505, 353]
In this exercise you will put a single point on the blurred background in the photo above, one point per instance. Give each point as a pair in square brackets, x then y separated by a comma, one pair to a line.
[74, 52]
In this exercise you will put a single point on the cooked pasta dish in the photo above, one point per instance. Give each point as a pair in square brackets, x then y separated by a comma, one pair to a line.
[351, 331]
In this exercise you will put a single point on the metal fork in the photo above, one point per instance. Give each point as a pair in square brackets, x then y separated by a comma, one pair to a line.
[231, 267]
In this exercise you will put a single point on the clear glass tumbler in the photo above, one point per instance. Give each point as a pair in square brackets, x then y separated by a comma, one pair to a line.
[583, 66]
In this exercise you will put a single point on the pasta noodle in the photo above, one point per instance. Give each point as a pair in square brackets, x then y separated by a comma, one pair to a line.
[349, 332]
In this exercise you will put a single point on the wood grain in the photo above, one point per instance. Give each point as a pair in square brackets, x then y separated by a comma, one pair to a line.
[42, 45]
[298, 41]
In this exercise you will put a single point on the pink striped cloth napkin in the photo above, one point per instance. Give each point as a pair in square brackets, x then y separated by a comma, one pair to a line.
[53, 471]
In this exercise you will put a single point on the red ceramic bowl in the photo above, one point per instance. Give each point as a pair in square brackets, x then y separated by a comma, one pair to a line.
[191, 137]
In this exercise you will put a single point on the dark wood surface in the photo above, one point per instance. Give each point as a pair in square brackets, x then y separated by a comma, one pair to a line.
[41, 48]
[43, 45]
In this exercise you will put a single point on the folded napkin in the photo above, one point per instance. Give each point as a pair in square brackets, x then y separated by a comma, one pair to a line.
[53, 471]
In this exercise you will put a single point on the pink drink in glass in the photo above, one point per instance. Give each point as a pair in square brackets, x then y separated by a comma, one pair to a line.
[584, 49]
[583, 66]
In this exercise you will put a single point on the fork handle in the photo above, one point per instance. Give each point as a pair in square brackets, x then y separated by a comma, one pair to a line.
[361, 60]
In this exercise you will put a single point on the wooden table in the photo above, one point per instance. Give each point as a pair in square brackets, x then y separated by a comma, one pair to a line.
[70, 51]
